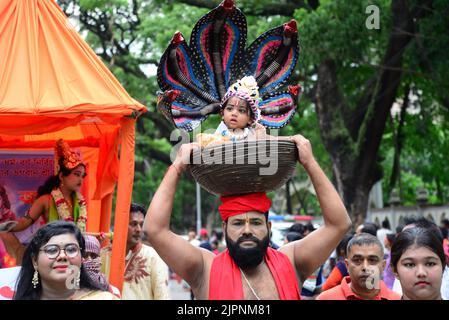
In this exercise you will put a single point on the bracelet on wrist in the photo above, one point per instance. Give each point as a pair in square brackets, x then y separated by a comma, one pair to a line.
[29, 217]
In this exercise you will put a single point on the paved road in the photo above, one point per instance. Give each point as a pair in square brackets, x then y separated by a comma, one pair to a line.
[177, 291]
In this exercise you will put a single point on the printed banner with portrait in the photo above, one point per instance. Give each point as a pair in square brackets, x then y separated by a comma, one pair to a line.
[21, 173]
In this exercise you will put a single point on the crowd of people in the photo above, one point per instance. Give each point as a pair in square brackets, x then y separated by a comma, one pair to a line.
[63, 261]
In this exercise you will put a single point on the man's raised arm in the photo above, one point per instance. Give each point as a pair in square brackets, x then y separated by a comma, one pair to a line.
[182, 257]
[311, 252]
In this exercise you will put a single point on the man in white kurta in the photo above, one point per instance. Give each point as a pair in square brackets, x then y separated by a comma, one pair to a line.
[146, 274]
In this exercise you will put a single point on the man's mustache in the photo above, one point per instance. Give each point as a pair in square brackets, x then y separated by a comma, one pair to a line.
[247, 238]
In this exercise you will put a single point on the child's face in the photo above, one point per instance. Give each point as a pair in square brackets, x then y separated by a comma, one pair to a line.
[420, 272]
[236, 114]
[74, 180]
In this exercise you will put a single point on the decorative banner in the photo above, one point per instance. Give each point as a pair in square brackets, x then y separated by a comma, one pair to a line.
[21, 173]
[8, 279]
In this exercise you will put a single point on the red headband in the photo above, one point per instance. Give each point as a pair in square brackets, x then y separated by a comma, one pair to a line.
[235, 205]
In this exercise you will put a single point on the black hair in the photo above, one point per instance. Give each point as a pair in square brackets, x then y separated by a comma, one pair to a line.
[310, 227]
[386, 224]
[409, 220]
[136, 207]
[219, 234]
[427, 224]
[297, 227]
[342, 246]
[444, 232]
[364, 239]
[369, 227]
[391, 237]
[421, 237]
[445, 222]
[54, 181]
[4, 197]
[293, 236]
[24, 287]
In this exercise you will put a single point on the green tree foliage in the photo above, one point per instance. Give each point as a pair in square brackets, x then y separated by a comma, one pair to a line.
[351, 76]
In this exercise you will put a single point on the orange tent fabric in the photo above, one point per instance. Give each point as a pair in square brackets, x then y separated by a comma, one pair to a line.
[52, 85]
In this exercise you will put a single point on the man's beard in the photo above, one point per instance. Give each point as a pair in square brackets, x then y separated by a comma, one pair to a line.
[247, 257]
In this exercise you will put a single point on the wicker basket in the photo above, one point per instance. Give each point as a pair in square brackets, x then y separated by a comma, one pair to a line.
[245, 166]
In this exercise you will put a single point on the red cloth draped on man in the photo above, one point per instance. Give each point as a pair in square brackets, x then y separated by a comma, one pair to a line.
[225, 275]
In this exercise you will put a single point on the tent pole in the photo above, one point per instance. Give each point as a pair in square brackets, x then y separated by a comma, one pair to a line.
[124, 195]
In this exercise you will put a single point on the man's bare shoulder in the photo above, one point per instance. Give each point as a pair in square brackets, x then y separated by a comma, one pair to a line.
[288, 250]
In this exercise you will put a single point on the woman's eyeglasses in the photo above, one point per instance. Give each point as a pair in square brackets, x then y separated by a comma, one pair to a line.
[52, 251]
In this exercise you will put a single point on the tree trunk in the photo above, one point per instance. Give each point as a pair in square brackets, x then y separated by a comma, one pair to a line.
[354, 147]
[398, 137]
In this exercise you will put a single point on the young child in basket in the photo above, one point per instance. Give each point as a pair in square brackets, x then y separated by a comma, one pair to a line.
[240, 114]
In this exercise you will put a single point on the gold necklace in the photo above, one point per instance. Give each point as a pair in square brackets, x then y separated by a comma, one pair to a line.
[249, 285]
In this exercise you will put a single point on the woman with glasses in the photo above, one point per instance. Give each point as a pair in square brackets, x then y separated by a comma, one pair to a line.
[52, 267]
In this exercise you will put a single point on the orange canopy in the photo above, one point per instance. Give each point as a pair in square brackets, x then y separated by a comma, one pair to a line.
[52, 85]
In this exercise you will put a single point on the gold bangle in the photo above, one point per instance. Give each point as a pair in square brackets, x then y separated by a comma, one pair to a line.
[29, 217]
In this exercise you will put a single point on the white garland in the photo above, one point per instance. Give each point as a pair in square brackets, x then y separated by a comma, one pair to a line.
[64, 212]
[235, 137]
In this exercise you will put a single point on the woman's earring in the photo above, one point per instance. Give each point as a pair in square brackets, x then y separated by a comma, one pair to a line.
[77, 280]
[35, 280]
